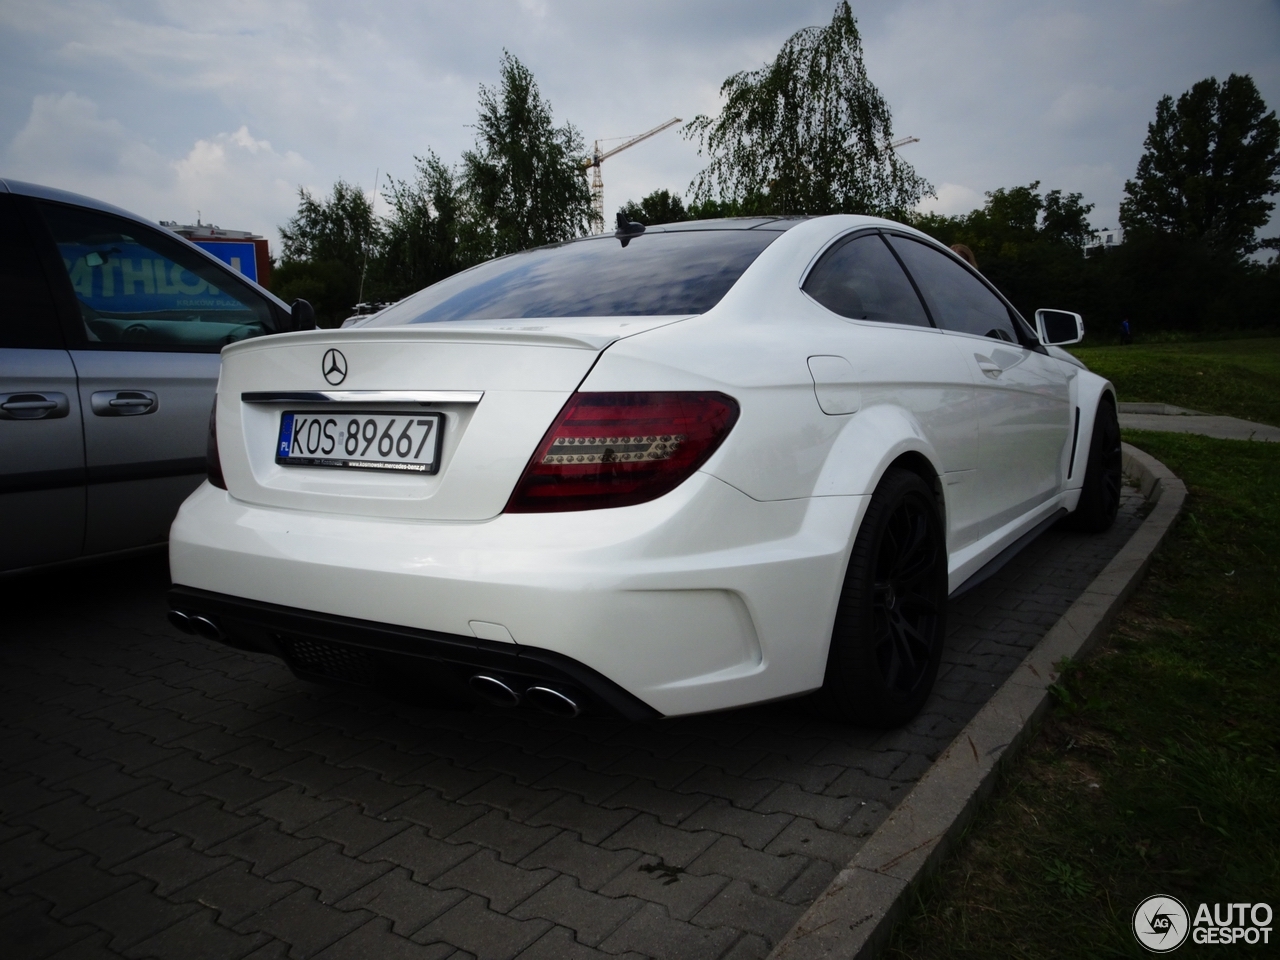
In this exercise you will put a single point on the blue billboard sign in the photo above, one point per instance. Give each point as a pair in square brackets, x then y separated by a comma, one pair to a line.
[127, 278]
[240, 257]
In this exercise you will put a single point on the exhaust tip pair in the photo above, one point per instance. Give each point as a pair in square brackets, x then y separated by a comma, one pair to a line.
[195, 624]
[547, 699]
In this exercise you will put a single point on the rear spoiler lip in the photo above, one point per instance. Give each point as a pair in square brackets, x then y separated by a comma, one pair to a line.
[532, 333]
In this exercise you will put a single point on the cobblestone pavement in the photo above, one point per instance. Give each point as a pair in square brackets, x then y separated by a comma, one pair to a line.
[162, 796]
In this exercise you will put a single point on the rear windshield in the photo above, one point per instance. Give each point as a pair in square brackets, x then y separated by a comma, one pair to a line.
[655, 274]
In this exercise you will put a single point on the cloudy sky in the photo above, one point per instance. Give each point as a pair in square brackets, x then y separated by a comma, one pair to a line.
[169, 107]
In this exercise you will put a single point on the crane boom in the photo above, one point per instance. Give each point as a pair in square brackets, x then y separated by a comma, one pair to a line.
[597, 156]
[593, 162]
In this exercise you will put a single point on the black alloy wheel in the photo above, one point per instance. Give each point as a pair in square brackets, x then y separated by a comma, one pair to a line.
[1100, 493]
[887, 641]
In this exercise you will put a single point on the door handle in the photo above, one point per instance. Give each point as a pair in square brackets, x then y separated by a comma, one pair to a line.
[988, 366]
[33, 406]
[124, 403]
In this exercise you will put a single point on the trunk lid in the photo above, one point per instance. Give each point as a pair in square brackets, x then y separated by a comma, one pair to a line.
[497, 384]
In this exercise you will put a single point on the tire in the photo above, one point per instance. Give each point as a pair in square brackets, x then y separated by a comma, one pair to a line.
[1100, 494]
[891, 621]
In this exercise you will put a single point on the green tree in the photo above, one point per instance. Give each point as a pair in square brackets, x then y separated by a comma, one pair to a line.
[808, 133]
[427, 235]
[327, 246]
[661, 206]
[524, 181]
[1211, 159]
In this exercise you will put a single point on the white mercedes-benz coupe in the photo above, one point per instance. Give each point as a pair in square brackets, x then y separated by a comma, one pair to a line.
[651, 473]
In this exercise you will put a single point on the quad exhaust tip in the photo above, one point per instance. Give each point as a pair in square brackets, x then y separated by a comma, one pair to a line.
[494, 690]
[195, 625]
[553, 701]
[500, 693]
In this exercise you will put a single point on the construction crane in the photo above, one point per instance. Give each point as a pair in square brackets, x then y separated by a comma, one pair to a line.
[597, 158]
[903, 142]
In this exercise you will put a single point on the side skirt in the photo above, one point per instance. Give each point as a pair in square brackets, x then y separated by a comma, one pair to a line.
[992, 566]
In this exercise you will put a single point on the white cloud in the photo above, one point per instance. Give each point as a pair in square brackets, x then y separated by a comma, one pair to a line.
[232, 179]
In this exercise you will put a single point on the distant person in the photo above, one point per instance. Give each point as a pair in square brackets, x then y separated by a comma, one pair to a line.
[965, 254]
[1126, 337]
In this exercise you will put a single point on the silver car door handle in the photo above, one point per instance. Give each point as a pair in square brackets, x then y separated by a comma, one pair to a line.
[33, 406]
[989, 366]
[124, 403]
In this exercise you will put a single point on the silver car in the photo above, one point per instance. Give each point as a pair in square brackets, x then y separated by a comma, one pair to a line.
[110, 329]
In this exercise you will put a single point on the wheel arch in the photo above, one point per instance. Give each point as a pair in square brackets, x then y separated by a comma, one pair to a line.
[1091, 390]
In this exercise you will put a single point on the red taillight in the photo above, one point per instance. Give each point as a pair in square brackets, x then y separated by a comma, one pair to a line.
[212, 461]
[617, 449]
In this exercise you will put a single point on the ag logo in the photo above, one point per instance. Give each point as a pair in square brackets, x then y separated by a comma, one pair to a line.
[334, 366]
[1161, 923]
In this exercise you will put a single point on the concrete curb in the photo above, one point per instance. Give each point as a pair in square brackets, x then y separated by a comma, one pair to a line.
[855, 915]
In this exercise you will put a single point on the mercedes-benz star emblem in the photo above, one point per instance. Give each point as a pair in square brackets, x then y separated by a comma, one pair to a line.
[334, 366]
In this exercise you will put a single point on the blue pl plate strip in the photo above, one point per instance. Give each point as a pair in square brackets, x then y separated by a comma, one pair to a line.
[286, 434]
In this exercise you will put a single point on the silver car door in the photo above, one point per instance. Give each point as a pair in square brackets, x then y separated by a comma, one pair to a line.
[153, 316]
[42, 494]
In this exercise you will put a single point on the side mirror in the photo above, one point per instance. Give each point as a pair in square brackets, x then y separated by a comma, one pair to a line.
[304, 315]
[1057, 328]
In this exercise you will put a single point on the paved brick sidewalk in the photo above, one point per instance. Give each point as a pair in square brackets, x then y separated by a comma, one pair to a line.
[161, 796]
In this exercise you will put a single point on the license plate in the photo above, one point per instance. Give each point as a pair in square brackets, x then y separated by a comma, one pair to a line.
[397, 442]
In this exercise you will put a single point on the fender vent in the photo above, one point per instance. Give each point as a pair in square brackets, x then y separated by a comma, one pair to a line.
[329, 660]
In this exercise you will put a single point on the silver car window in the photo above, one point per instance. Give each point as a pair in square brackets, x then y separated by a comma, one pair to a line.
[138, 288]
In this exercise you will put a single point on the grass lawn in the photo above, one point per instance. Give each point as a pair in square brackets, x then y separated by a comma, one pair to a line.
[1239, 378]
[1158, 768]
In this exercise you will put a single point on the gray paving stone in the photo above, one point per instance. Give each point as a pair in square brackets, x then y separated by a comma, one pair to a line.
[234, 892]
[294, 810]
[502, 885]
[354, 831]
[511, 840]
[331, 872]
[668, 806]
[116, 840]
[654, 934]
[306, 924]
[131, 915]
[473, 927]
[674, 846]
[592, 786]
[739, 907]
[73, 885]
[591, 866]
[592, 823]
[172, 866]
[809, 840]
[265, 847]
[376, 941]
[198, 937]
[753, 829]
[65, 818]
[651, 879]
[504, 793]
[375, 795]
[559, 944]
[447, 778]
[426, 857]
[440, 817]
[591, 916]
[766, 873]
[408, 904]
[29, 931]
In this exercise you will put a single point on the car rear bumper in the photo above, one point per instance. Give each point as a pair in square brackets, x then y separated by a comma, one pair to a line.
[435, 667]
[700, 600]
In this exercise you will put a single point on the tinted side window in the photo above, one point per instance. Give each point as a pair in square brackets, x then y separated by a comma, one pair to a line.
[957, 299]
[862, 280]
[655, 274]
[27, 315]
[138, 288]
